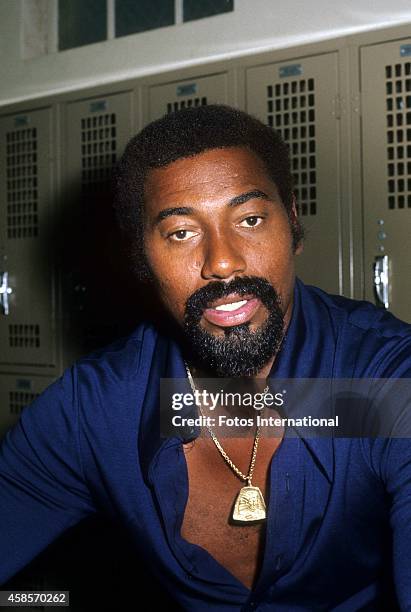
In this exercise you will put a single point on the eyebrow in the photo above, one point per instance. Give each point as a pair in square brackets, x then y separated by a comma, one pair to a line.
[255, 194]
[169, 212]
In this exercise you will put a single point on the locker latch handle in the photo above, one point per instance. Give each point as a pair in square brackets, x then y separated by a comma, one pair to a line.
[381, 280]
[5, 291]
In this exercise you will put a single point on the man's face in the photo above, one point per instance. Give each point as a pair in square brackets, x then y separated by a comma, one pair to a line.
[215, 221]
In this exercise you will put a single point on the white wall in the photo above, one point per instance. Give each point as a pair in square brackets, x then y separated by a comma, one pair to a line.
[254, 25]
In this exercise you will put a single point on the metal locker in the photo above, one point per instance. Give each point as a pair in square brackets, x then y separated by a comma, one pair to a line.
[386, 137]
[170, 97]
[298, 98]
[16, 392]
[27, 308]
[95, 133]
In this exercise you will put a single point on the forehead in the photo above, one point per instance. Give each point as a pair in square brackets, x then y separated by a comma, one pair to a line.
[216, 173]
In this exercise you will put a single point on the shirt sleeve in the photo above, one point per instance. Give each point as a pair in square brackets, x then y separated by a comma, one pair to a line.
[395, 463]
[42, 488]
[396, 467]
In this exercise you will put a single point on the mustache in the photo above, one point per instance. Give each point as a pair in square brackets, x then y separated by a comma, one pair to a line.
[245, 285]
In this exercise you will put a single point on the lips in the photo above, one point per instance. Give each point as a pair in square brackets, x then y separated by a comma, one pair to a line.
[232, 310]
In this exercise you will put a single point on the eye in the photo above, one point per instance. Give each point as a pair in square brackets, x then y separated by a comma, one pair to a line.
[182, 235]
[251, 221]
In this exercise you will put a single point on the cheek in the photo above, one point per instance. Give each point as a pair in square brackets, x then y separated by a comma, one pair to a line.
[156, 258]
[169, 263]
[170, 291]
[174, 290]
[176, 279]
[272, 257]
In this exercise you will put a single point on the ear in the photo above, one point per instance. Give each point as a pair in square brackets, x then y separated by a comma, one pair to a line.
[295, 222]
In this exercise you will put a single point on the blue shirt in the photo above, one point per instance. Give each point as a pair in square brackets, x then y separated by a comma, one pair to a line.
[339, 510]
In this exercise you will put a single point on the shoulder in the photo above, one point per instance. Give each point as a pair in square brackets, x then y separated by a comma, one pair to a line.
[124, 358]
[107, 387]
[377, 343]
[360, 314]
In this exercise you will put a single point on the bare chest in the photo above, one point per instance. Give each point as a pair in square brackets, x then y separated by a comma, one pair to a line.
[213, 489]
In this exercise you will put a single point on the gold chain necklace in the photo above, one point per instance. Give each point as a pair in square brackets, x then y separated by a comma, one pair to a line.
[249, 505]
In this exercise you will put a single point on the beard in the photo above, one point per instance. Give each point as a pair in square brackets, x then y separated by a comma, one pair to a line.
[241, 351]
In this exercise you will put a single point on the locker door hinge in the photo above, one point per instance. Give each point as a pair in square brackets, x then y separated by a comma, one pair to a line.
[338, 105]
[356, 104]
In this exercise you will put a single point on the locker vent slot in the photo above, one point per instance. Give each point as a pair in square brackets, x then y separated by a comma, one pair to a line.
[19, 399]
[186, 103]
[398, 103]
[98, 150]
[291, 111]
[24, 336]
[22, 187]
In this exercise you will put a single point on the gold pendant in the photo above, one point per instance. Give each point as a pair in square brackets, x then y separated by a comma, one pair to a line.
[249, 505]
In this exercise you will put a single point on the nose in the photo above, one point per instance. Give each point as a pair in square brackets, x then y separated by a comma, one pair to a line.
[222, 258]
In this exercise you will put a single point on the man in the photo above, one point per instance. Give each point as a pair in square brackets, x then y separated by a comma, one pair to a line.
[206, 194]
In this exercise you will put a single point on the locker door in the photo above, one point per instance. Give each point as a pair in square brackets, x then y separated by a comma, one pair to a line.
[298, 99]
[170, 97]
[95, 134]
[16, 392]
[27, 332]
[386, 125]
